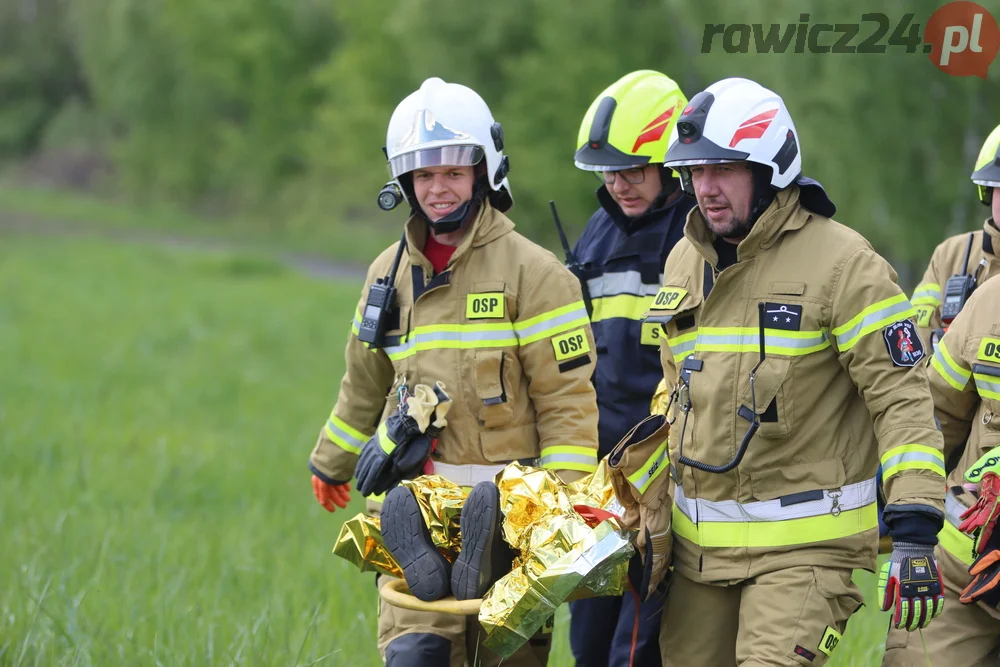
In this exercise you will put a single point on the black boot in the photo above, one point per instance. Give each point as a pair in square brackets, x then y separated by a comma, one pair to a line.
[426, 570]
[485, 555]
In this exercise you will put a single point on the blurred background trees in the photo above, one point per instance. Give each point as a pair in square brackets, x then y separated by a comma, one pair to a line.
[277, 109]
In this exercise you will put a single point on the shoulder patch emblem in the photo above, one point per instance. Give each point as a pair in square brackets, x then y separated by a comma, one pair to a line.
[903, 343]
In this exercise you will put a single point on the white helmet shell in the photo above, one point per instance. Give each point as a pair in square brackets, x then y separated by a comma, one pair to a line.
[733, 120]
[446, 124]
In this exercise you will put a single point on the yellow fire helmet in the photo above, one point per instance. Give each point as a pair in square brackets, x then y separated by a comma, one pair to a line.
[987, 173]
[629, 123]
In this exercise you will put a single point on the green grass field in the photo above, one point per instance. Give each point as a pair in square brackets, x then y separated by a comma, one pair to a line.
[156, 411]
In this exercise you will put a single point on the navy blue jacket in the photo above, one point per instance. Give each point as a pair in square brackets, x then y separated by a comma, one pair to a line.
[623, 262]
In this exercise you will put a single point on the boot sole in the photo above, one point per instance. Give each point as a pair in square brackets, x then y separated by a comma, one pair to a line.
[483, 547]
[407, 538]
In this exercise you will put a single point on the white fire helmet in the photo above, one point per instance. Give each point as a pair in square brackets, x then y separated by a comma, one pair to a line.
[733, 120]
[447, 124]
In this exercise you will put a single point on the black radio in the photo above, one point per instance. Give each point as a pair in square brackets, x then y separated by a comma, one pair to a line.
[958, 289]
[380, 306]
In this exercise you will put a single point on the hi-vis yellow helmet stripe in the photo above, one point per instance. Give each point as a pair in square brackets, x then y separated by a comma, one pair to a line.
[987, 173]
[344, 435]
[569, 457]
[912, 457]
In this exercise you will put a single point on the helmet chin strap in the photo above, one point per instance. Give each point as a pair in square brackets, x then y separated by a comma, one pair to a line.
[763, 193]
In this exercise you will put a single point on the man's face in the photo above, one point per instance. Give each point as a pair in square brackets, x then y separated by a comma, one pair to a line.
[995, 206]
[724, 193]
[634, 199]
[441, 190]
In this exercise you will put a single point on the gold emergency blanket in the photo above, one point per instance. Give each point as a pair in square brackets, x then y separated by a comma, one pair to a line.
[440, 502]
[560, 554]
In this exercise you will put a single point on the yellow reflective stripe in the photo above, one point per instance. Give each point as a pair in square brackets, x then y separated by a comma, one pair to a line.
[927, 294]
[747, 339]
[651, 469]
[957, 543]
[911, 457]
[344, 435]
[764, 534]
[569, 457]
[949, 369]
[387, 445]
[873, 318]
[551, 322]
[356, 322]
[682, 347]
[627, 306]
[987, 386]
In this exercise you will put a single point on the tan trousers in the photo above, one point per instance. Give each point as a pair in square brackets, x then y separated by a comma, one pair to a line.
[795, 616]
[962, 636]
[414, 638]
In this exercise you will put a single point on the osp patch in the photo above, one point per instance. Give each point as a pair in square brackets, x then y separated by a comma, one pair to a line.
[903, 343]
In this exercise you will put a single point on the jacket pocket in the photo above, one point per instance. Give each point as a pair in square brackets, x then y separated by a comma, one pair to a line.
[513, 443]
[495, 408]
[772, 396]
[798, 482]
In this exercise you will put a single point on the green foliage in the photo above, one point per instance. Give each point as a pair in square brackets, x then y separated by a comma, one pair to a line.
[277, 109]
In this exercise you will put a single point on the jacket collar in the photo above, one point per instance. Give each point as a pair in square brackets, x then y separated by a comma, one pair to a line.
[785, 214]
[488, 225]
[628, 224]
[991, 242]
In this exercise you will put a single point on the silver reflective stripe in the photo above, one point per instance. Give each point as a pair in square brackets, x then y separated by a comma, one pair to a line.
[682, 348]
[346, 437]
[910, 457]
[927, 293]
[953, 509]
[872, 318]
[552, 322]
[549, 459]
[987, 387]
[623, 282]
[852, 497]
[772, 339]
[501, 336]
[467, 475]
[642, 481]
[945, 364]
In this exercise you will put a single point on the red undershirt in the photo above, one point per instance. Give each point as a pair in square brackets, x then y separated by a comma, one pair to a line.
[438, 253]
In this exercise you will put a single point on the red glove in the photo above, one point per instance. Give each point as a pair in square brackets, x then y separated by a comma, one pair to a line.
[980, 519]
[329, 495]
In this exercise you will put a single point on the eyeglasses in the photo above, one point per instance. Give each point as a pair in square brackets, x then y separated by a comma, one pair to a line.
[635, 175]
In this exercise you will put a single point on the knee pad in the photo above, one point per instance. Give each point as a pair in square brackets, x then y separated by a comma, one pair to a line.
[418, 650]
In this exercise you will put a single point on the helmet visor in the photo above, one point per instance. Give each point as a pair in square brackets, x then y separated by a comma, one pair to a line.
[443, 156]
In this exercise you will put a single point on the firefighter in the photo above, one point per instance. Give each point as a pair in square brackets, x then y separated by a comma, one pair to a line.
[789, 387]
[965, 383]
[970, 254]
[497, 320]
[622, 140]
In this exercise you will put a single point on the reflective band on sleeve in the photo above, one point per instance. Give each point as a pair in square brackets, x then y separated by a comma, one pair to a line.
[766, 523]
[746, 339]
[551, 323]
[873, 318]
[344, 436]
[927, 294]
[912, 457]
[356, 323]
[987, 381]
[683, 346]
[569, 457]
[651, 469]
[949, 369]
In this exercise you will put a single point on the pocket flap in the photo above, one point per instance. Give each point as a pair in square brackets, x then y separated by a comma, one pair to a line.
[489, 383]
[767, 381]
[793, 479]
[794, 289]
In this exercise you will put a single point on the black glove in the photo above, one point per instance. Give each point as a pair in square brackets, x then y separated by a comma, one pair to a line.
[374, 470]
[409, 462]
